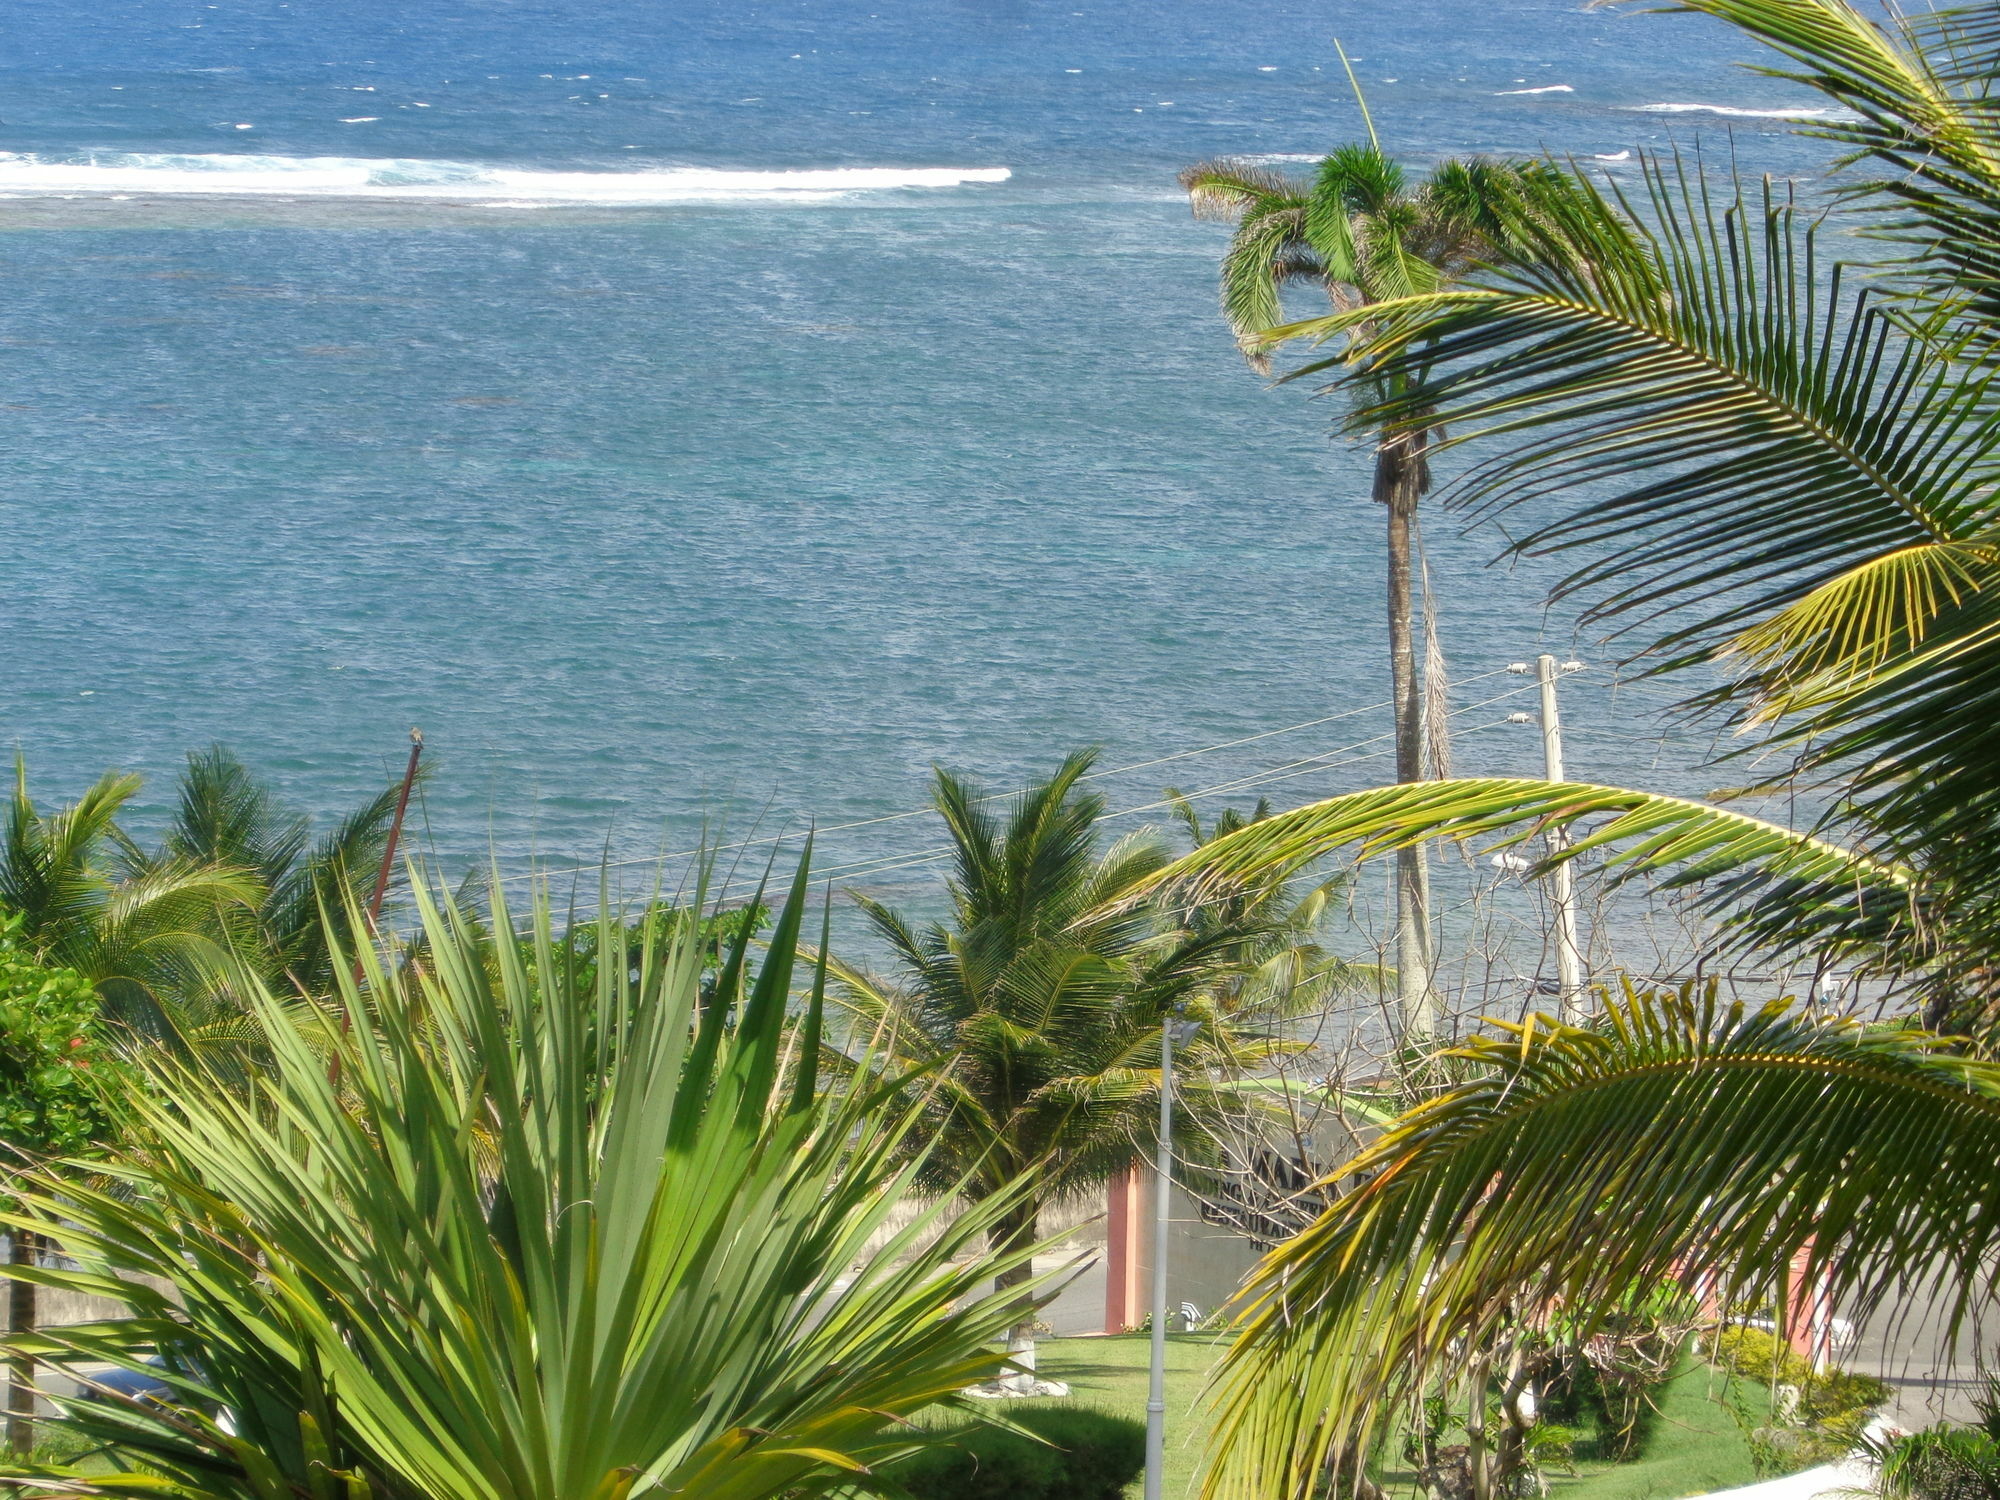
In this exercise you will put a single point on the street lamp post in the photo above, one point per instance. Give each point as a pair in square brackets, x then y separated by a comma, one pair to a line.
[1172, 1029]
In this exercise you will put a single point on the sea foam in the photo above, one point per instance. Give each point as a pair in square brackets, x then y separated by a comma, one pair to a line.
[362, 177]
[1796, 113]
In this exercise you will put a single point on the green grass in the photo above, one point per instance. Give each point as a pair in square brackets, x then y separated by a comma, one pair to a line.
[1694, 1447]
[1111, 1374]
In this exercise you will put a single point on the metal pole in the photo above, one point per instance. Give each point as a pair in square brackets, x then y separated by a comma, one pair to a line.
[21, 1368]
[1562, 879]
[1156, 1391]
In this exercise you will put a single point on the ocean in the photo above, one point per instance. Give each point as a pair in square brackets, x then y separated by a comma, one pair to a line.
[701, 415]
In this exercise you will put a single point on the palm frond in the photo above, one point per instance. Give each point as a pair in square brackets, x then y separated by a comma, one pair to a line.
[1229, 187]
[1645, 832]
[1866, 624]
[1914, 95]
[1680, 1139]
[225, 816]
[1760, 433]
[1783, 892]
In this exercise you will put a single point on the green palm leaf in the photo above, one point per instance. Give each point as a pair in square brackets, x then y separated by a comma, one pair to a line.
[1759, 432]
[1784, 473]
[1680, 1138]
[1640, 832]
[1916, 99]
[1780, 890]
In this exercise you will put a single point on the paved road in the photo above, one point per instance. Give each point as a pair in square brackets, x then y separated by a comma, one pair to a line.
[1905, 1345]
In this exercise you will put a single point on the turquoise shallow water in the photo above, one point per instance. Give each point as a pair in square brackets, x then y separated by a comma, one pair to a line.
[737, 502]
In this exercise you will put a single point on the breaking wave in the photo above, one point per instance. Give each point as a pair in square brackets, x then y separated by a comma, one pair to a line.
[218, 175]
[1797, 113]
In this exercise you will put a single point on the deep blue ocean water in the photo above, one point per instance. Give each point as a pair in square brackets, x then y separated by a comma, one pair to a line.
[454, 363]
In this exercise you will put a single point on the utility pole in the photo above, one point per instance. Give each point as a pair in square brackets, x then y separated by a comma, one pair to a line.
[1172, 1028]
[1562, 879]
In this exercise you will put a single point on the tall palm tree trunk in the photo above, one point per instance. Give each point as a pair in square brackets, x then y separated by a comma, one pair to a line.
[1401, 472]
[21, 1317]
[1018, 1229]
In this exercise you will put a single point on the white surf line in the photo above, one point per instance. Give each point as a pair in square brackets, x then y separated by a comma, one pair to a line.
[218, 175]
[1799, 112]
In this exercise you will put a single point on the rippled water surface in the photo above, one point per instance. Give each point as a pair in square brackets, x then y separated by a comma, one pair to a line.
[476, 364]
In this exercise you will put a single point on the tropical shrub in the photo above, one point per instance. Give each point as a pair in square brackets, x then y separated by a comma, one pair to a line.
[1944, 1462]
[52, 1055]
[1823, 1395]
[1084, 1454]
[59, 1083]
[1811, 1417]
[482, 1235]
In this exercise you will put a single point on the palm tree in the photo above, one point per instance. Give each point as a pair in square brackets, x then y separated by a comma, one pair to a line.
[538, 1242]
[1782, 464]
[1364, 236]
[1796, 475]
[1041, 1002]
[224, 817]
[1276, 969]
[128, 933]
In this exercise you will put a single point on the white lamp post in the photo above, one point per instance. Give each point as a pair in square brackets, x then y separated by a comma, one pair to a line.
[1172, 1029]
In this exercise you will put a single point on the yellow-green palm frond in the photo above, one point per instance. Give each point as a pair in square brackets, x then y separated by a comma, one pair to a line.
[1874, 619]
[1639, 832]
[1678, 1138]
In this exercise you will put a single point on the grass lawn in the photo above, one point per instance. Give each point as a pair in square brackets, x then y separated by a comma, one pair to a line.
[1694, 1447]
[1110, 1374]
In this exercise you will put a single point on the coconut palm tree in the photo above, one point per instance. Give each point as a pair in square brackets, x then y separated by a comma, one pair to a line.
[1278, 969]
[1041, 1000]
[1361, 233]
[224, 817]
[129, 933]
[537, 1242]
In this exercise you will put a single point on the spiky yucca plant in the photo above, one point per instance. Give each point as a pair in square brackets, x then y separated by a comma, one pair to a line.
[503, 1238]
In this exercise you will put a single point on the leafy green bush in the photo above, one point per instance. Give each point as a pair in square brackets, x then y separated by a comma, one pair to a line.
[52, 1055]
[1823, 1417]
[1086, 1454]
[1756, 1354]
[1825, 1396]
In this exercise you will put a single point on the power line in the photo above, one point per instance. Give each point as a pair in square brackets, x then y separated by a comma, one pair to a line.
[1290, 770]
[925, 812]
